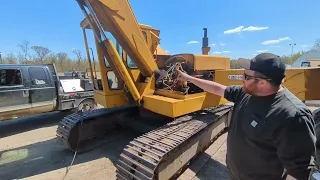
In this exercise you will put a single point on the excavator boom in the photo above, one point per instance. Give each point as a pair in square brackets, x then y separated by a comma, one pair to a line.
[117, 18]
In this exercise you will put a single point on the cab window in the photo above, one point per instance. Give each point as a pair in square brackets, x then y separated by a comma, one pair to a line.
[130, 63]
[10, 77]
[106, 62]
[119, 49]
[38, 76]
[113, 82]
[145, 35]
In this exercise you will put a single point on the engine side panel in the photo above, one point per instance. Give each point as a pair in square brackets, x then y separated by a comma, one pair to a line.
[173, 107]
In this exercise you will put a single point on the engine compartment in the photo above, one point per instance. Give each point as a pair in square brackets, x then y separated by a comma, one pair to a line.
[200, 66]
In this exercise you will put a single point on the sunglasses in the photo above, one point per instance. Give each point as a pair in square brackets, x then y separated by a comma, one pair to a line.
[248, 77]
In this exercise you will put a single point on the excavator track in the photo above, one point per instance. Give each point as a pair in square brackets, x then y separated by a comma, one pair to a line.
[164, 152]
[78, 129]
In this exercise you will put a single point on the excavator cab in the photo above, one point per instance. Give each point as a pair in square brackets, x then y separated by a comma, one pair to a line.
[109, 90]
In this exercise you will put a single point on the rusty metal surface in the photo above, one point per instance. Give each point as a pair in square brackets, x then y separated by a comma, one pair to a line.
[162, 153]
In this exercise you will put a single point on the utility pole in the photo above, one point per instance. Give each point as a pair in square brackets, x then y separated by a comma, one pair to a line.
[292, 51]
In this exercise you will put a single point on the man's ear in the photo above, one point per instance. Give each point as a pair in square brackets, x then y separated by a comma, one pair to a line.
[263, 82]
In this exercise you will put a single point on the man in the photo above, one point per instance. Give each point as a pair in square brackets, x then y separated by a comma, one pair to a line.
[271, 134]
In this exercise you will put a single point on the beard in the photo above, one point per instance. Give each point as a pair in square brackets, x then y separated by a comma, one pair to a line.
[248, 91]
[251, 90]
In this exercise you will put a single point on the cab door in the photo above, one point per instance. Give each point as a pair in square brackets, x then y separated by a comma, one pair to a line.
[14, 93]
[42, 90]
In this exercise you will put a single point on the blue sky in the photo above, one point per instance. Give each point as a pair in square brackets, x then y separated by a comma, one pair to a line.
[236, 28]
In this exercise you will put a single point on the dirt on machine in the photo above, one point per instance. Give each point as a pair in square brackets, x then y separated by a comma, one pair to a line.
[138, 89]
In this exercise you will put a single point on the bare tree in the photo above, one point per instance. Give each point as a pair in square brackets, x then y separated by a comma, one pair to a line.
[77, 52]
[24, 55]
[41, 52]
[316, 45]
[11, 59]
[62, 57]
[51, 58]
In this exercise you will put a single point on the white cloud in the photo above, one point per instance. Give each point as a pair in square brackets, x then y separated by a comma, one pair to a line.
[253, 28]
[220, 52]
[216, 52]
[192, 42]
[304, 45]
[261, 51]
[242, 28]
[235, 30]
[254, 54]
[221, 44]
[167, 51]
[275, 46]
[275, 41]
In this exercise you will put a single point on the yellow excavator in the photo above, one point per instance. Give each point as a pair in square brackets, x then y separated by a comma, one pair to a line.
[138, 89]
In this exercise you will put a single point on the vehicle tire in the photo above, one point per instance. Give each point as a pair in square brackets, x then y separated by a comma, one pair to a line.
[86, 105]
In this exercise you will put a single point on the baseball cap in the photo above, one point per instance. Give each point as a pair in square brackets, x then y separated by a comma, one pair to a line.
[267, 64]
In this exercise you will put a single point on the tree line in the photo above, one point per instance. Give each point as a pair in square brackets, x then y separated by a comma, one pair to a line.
[33, 54]
[287, 59]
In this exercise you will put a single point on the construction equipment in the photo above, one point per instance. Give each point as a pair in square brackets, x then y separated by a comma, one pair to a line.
[138, 89]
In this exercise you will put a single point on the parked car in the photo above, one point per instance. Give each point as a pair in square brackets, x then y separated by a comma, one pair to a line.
[27, 89]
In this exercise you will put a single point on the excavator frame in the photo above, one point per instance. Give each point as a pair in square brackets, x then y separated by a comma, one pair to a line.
[177, 120]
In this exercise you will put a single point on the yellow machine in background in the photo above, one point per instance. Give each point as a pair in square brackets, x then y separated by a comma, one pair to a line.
[302, 82]
[138, 89]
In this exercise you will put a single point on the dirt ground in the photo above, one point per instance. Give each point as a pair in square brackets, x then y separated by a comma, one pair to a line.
[29, 150]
